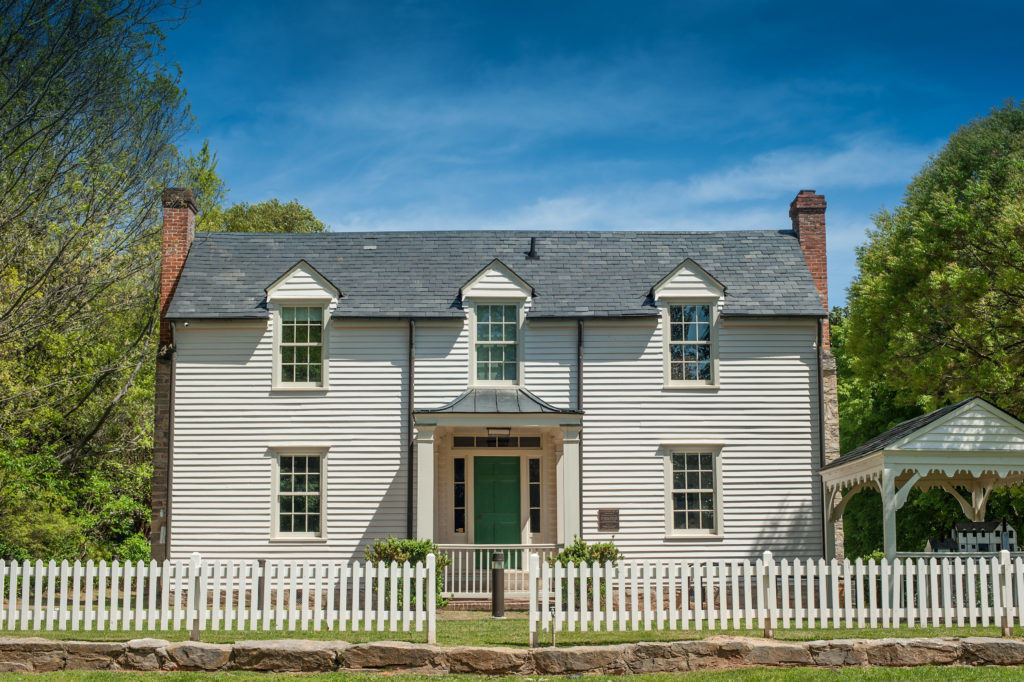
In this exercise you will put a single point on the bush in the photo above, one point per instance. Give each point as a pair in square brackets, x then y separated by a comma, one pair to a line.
[579, 552]
[401, 550]
[135, 548]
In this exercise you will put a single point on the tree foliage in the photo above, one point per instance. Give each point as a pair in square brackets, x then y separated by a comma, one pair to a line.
[89, 115]
[937, 309]
[936, 314]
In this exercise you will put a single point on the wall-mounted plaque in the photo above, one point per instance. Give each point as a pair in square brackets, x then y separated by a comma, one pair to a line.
[607, 520]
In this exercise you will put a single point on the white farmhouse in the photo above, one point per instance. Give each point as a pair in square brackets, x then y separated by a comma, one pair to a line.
[673, 391]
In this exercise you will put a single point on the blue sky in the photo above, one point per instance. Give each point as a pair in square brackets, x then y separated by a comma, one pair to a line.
[590, 115]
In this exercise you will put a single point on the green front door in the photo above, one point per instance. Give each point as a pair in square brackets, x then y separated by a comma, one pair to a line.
[496, 498]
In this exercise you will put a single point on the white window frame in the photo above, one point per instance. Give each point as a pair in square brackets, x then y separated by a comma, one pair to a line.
[666, 326]
[716, 457]
[276, 322]
[471, 318]
[275, 482]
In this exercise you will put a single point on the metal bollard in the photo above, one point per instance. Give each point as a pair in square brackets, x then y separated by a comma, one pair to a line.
[498, 584]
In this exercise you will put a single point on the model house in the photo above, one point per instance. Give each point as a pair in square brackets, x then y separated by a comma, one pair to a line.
[671, 391]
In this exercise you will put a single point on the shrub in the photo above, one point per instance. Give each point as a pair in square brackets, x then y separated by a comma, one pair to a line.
[400, 550]
[135, 548]
[579, 552]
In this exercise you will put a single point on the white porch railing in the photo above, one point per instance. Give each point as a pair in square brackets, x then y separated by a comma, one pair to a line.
[469, 573]
[219, 595]
[680, 595]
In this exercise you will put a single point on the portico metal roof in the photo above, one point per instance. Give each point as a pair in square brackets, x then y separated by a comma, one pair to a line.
[499, 400]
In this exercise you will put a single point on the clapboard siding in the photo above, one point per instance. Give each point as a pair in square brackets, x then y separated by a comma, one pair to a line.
[549, 354]
[977, 428]
[226, 419]
[764, 415]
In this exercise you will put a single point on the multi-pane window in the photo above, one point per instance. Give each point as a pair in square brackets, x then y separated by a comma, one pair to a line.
[534, 471]
[302, 344]
[692, 491]
[496, 441]
[497, 333]
[690, 342]
[298, 494]
[460, 494]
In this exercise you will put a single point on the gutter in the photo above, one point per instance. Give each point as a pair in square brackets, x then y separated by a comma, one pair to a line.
[579, 408]
[821, 439]
[410, 420]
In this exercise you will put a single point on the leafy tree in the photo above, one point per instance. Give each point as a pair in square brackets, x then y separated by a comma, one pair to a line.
[89, 114]
[210, 191]
[935, 314]
[271, 216]
[937, 309]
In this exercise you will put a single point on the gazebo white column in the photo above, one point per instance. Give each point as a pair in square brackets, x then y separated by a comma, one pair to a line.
[425, 480]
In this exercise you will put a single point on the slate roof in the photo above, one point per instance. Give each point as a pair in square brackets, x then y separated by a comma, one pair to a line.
[898, 432]
[509, 400]
[418, 274]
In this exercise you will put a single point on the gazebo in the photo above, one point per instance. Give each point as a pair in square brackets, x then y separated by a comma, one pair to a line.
[967, 449]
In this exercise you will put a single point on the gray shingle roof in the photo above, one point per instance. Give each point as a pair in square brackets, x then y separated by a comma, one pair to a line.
[898, 432]
[418, 274]
[499, 401]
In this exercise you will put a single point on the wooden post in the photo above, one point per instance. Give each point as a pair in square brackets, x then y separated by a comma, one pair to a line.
[1006, 592]
[431, 599]
[534, 614]
[195, 567]
[767, 591]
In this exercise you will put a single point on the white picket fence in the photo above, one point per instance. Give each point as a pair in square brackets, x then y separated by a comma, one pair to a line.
[219, 595]
[468, 573]
[697, 595]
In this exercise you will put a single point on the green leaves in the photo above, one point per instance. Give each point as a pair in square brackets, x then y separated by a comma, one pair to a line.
[936, 314]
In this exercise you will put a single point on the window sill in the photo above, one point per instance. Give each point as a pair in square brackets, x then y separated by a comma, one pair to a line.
[299, 389]
[696, 386]
[695, 537]
[298, 541]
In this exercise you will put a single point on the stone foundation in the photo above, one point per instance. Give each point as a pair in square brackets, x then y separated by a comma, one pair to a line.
[292, 655]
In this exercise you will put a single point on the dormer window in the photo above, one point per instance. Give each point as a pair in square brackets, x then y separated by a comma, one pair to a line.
[497, 343]
[302, 345]
[690, 342]
[300, 303]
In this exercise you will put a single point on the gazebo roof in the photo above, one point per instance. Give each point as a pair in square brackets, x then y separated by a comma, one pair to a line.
[971, 446]
[897, 433]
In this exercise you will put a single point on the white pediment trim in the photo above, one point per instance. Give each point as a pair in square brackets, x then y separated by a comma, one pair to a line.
[497, 281]
[688, 280]
[302, 282]
[960, 431]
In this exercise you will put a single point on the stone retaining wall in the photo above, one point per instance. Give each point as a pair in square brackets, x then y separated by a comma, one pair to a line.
[43, 655]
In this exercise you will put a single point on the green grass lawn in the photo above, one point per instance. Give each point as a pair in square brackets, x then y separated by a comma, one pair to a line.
[478, 629]
[746, 675]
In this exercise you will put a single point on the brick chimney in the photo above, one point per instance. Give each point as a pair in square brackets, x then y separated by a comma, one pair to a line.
[807, 211]
[179, 229]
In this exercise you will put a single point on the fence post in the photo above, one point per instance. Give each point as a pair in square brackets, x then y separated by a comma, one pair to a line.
[195, 566]
[1006, 591]
[532, 576]
[431, 598]
[767, 590]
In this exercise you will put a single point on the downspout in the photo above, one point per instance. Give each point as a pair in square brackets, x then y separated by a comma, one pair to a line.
[170, 441]
[579, 406]
[410, 417]
[821, 441]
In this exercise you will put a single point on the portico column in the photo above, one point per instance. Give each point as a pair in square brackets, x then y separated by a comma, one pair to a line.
[889, 507]
[570, 482]
[425, 481]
